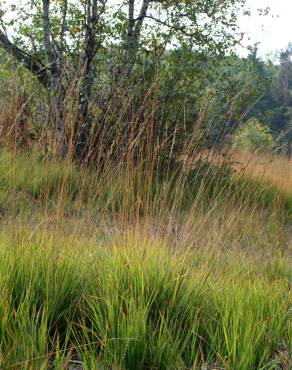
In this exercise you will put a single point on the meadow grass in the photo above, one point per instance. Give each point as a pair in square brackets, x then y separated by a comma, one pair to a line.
[138, 305]
[130, 271]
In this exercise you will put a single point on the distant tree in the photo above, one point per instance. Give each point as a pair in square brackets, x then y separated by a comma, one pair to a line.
[272, 88]
[281, 120]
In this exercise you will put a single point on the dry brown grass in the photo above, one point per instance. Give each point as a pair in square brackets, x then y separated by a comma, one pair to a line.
[271, 169]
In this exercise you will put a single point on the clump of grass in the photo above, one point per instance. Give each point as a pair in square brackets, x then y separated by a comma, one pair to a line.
[138, 305]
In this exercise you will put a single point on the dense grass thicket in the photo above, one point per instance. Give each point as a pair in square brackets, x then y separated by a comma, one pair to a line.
[138, 308]
[128, 271]
[133, 304]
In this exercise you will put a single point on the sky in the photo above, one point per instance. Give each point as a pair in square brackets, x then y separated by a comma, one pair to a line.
[274, 31]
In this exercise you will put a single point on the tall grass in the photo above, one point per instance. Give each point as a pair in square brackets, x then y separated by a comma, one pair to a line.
[136, 305]
[101, 272]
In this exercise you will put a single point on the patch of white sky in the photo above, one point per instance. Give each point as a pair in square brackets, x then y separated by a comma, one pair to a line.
[272, 32]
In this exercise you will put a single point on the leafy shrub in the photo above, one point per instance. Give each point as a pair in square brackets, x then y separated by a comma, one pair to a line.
[254, 137]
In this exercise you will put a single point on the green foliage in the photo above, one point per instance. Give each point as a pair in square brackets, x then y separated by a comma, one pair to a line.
[275, 104]
[255, 137]
[201, 68]
[203, 16]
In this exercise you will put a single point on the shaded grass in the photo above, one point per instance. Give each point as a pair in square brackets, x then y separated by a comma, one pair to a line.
[29, 183]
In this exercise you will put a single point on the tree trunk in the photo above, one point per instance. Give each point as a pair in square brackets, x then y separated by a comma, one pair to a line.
[56, 119]
[84, 120]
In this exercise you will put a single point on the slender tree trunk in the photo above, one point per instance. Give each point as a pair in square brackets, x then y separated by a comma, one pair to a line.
[131, 25]
[57, 119]
[134, 28]
[84, 120]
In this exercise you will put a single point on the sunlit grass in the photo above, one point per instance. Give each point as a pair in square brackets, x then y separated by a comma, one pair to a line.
[138, 305]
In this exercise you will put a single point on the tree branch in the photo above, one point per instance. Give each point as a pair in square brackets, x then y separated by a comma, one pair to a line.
[28, 61]
[166, 24]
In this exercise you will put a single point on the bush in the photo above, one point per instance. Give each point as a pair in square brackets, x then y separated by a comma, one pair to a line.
[254, 137]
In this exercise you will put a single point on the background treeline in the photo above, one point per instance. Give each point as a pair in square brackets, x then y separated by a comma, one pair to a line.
[273, 109]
